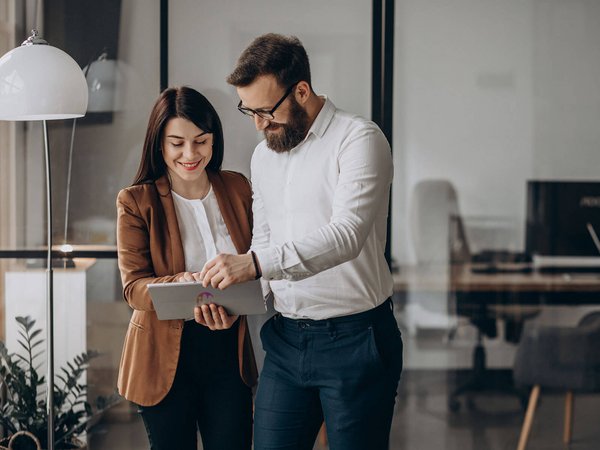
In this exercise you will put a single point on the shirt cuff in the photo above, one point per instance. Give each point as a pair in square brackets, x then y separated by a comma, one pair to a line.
[267, 259]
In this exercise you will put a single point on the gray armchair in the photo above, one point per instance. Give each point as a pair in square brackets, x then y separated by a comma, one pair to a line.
[564, 358]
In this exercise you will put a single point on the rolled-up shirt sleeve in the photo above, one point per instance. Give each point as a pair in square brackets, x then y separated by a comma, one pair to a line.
[260, 229]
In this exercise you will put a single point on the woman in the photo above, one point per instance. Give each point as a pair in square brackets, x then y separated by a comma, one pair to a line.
[180, 212]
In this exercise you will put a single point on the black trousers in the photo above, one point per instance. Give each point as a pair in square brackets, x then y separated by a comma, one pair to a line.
[343, 370]
[208, 395]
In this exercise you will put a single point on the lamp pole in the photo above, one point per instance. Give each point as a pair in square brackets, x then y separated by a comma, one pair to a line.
[49, 296]
[41, 82]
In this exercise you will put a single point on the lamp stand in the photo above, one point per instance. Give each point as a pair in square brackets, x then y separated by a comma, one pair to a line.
[49, 297]
[41, 82]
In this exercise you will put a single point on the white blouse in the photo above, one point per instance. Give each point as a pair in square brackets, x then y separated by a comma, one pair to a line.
[203, 231]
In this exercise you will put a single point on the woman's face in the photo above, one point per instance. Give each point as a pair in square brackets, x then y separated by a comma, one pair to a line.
[186, 149]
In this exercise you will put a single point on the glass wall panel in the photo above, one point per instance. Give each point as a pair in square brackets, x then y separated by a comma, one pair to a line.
[492, 98]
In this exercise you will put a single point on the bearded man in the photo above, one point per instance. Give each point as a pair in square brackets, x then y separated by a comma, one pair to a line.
[321, 180]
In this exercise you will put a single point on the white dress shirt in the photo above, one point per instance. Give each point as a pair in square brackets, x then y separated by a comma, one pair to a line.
[203, 231]
[320, 218]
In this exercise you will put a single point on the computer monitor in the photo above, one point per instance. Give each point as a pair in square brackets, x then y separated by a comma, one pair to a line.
[563, 219]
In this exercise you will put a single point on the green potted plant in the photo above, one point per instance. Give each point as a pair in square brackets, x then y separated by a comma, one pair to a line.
[23, 408]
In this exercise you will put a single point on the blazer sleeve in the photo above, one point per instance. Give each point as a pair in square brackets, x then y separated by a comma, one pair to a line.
[135, 261]
[247, 196]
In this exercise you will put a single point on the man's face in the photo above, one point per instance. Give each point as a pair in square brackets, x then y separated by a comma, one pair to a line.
[290, 120]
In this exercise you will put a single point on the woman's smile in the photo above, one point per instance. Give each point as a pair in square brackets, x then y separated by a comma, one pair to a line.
[190, 165]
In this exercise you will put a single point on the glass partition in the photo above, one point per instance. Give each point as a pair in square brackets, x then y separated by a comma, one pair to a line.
[492, 99]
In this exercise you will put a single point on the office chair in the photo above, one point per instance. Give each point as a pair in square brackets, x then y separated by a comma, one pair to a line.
[440, 241]
[432, 205]
[565, 358]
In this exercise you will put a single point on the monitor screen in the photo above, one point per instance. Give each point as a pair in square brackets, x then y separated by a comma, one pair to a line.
[563, 218]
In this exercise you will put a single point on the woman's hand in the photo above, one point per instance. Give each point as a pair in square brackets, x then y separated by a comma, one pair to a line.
[214, 317]
[188, 276]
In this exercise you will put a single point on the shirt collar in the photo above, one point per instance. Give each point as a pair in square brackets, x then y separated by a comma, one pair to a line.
[323, 119]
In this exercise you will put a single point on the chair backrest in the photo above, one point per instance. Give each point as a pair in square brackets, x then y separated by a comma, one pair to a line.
[436, 226]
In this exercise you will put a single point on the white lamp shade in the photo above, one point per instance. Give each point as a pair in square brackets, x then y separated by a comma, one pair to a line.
[41, 82]
[102, 81]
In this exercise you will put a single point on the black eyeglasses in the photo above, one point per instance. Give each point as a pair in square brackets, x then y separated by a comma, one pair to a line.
[267, 115]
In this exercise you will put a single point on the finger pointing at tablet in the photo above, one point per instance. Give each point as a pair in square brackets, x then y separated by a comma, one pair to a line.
[225, 270]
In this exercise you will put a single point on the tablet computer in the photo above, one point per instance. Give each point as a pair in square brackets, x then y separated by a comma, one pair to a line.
[177, 300]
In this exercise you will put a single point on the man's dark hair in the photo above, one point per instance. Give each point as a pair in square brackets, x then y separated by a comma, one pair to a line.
[284, 57]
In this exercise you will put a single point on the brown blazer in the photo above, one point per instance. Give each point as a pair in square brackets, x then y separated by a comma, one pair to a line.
[150, 251]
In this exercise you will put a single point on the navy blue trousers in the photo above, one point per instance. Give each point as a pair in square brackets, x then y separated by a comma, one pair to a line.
[208, 395]
[343, 370]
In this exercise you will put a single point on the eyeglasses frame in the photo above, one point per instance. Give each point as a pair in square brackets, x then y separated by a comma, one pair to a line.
[266, 115]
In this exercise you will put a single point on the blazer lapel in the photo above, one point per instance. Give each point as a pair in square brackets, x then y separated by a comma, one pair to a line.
[177, 258]
[231, 220]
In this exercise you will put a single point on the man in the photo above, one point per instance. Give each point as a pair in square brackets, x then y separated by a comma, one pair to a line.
[321, 181]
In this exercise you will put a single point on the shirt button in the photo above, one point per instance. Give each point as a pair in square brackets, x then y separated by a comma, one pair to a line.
[289, 285]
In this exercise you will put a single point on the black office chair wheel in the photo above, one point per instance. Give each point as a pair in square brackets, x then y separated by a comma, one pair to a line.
[454, 405]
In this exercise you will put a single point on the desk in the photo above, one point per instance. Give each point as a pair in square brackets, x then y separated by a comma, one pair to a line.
[475, 294]
[531, 288]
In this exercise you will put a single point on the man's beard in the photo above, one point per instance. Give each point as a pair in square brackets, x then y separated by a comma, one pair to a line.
[292, 132]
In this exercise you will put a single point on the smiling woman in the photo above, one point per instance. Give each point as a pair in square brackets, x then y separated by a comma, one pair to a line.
[182, 211]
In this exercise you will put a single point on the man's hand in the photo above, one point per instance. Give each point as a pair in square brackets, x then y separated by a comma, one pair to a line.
[225, 270]
[214, 317]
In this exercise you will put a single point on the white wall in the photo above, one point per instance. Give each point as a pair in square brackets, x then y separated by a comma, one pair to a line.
[566, 73]
[489, 94]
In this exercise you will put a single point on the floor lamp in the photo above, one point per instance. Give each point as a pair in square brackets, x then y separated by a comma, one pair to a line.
[41, 82]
